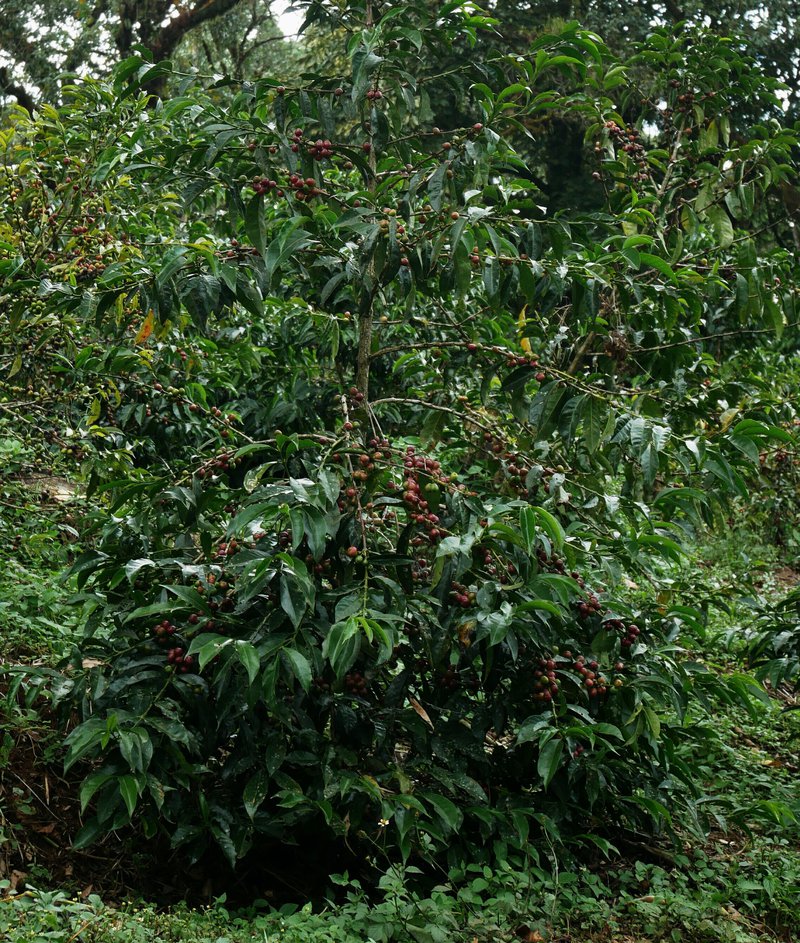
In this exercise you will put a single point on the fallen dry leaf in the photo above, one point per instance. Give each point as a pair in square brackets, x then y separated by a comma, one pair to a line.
[421, 711]
[527, 935]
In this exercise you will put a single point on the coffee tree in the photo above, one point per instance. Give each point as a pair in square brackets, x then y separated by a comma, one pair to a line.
[376, 443]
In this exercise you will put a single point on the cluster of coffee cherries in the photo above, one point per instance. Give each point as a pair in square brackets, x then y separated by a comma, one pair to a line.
[320, 149]
[421, 570]
[321, 568]
[74, 451]
[780, 457]
[237, 250]
[616, 346]
[449, 680]
[494, 444]
[163, 631]
[596, 684]
[554, 564]
[413, 493]
[545, 683]
[183, 663]
[355, 683]
[89, 254]
[685, 102]
[627, 139]
[512, 358]
[220, 464]
[521, 360]
[348, 496]
[461, 595]
[513, 464]
[223, 587]
[354, 395]
[366, 463]
[226, 548]
[629, 632]
[177, 394]
[384, 224]
[589, 607]
[505, 260]
[303, 188]
[546, 474]
[376, 519]
[266, 185]
[421, 489]
[495, 567]
[87, 266]
[590, 677]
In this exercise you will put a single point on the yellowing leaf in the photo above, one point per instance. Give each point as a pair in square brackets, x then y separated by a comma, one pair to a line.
[465, 631]
[525, 342]
[146, 329]
[727, 418]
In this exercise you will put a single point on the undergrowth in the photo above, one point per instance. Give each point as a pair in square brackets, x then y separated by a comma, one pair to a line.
[727, 893]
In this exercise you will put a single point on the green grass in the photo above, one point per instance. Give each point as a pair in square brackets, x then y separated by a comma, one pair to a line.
[731, 892]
